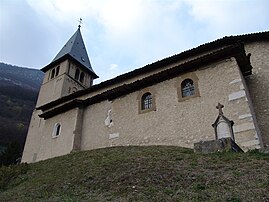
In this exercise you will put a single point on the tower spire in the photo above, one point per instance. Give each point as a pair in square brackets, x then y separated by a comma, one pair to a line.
[75, 50]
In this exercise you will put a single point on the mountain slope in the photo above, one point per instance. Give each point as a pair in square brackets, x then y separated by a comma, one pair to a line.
[18, 93]
[20, 76]
[154, 173]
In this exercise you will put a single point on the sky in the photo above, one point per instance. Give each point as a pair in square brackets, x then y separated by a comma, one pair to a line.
[121, 35]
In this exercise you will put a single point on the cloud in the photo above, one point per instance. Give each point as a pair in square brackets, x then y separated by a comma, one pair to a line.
[224, 17]
[21, 35]
[129, 33]
[141, 28]
[113, 67]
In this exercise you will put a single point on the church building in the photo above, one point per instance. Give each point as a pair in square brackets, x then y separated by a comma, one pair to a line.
[169, 102]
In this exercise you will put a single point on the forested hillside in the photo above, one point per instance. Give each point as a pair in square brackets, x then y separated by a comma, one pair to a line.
[18, 93]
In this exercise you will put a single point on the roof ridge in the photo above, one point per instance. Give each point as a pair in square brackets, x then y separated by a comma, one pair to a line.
[169, 73]
[226, 40]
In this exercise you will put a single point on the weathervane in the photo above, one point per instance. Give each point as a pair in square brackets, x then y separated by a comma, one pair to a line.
[80, 22]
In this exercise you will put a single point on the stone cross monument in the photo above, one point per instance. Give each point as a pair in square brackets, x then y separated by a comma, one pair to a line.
[223, 126]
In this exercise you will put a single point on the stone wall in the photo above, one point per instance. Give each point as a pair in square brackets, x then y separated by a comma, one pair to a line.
[32, 143]
[63, 144]
[51, 89]
[220, 145]
[174, 122]
[61, 85]
[258, 85]
[41, 144]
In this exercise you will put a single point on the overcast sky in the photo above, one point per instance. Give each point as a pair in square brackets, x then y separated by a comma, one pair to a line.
[121, 35]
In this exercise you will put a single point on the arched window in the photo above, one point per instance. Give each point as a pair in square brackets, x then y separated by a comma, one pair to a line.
[146, 101]
[77, 74]
[57, 70]
[81, 78]
[56, 130]
[187, 88]
[52, 74]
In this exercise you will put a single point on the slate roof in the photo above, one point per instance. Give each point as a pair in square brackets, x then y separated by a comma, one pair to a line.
[75, 50]
[236, 50]
[230, 41]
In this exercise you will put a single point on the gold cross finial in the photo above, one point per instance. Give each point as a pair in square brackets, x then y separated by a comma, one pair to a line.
[219, 107]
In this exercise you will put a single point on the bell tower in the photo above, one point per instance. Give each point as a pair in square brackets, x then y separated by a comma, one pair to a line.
[69, 71]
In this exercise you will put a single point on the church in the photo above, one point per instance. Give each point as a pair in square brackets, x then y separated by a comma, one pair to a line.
[169, 102]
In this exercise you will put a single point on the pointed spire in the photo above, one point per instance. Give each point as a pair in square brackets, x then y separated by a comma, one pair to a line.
[76, 50]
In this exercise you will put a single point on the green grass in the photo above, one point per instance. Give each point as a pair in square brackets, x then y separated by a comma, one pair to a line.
[154, 173]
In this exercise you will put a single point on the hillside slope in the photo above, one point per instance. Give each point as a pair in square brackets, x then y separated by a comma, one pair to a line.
[27, 78]
[155, 173]
[19, 88]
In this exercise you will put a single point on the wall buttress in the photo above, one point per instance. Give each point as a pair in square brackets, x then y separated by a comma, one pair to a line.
[78, 130]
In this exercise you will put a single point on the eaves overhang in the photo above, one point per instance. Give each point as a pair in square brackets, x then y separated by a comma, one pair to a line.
[69, 57]
[237, 51]
[225, 41]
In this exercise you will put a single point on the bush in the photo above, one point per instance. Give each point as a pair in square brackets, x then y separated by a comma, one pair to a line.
[11, 154]
[9, 173]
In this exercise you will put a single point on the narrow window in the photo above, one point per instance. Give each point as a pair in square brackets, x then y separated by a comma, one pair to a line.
[52, 74]
[81, 78]
[57, 70]
[187, 88]
[77, 74]
[146, 101]
[34, 157]
[56, 130]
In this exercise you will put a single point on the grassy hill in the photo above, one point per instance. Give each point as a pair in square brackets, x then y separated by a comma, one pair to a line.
[154, 173]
